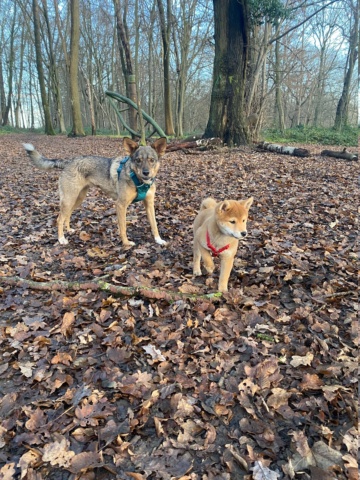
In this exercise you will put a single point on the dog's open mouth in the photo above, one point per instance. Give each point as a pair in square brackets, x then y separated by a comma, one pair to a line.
[146, 180]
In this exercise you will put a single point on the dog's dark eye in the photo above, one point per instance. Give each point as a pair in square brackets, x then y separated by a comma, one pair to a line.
[243, 220]
[232, 221]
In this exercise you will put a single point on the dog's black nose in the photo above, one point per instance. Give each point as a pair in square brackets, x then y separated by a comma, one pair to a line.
[243, 234]
[146, 173]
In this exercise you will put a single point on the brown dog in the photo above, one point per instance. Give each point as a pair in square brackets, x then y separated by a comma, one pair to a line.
[218, 227]
[126, 181]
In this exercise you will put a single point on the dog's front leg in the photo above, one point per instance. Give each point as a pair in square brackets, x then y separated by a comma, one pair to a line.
[150, 212]
[121, 209]
[226, 267]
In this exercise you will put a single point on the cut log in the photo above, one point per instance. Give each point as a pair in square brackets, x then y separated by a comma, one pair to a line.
[201, 144]
[286, 150]
[343, 154]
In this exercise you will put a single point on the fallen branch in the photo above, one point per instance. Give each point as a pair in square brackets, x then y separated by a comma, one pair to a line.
[343, 154]
[273, 147]
[200, 144]
[100, 284]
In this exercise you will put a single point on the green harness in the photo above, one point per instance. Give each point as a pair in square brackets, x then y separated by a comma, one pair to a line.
[141, 188]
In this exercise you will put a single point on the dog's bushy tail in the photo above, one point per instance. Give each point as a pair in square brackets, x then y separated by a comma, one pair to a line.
[42, 162]
[208, 203]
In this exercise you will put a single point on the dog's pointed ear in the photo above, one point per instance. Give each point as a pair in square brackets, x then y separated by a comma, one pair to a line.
[224, 206]
[159, 146]
[247, 203]
[130, 146]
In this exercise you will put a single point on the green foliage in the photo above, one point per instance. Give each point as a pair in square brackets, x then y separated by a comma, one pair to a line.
[267, 10]
[323, 136]
[9, 129]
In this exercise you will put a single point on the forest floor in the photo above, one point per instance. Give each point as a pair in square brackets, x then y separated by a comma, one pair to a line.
[257, 384]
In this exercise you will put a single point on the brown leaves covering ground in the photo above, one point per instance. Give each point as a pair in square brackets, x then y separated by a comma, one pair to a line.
[259, 384]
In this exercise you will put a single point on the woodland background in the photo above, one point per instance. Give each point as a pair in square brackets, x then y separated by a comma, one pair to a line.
[152, 375]
[301, 63]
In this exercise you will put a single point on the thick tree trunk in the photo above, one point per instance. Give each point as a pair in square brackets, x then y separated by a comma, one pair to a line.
[227, 118]
[39, 64]
[77, 128]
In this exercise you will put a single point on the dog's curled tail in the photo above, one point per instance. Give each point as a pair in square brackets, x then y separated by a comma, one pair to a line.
[42, 162]
[208, 203]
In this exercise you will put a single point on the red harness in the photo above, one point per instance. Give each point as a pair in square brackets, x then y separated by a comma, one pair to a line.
[214, 251]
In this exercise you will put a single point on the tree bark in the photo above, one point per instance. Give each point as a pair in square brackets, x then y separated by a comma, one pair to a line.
[342, 110]
[165, 35]
[19, 80]
[49, 130]
[128, 67]
[54, 72]
[77, 128]
[279, 107]
[6, 112]
[344, 154]
[227, 118]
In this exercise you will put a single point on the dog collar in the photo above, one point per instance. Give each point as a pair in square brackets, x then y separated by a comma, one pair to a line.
[141, 188]
[214, 251]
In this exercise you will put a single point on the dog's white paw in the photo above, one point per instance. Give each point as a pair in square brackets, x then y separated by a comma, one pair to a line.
[160, 241]
[63, 241]
[197, 273]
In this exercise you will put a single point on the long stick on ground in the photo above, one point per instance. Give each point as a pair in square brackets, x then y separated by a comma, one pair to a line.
[101, 284]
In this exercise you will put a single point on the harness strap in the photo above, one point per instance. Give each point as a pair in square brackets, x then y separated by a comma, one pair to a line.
[214, 251]
[141, 188]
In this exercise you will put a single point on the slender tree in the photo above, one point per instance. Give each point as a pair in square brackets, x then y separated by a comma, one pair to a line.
[165, 24]
[128, 67]
[342, 110]
[49, 130]
[54, 74]
[77, 127]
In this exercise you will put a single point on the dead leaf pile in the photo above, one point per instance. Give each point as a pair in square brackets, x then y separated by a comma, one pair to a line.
[257, 384]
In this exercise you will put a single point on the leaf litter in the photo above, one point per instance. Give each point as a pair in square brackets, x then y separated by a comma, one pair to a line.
[259, 383]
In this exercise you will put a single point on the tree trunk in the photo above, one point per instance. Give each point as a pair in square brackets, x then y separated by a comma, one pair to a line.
[138, 95]
[19, 82]
[227, 118]
[342, 110]
[77, 128]
[6, 112]
[54, 73]
[39, 64]
[165, 35]
[128, 68]
[279, 108]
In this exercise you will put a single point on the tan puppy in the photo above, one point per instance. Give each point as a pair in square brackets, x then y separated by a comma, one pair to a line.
[218, 228]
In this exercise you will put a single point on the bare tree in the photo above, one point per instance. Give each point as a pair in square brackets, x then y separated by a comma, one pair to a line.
[165, 24]
[128, 67]
[342, 110]
[11, 62]
[77, 127]
[49, 130]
